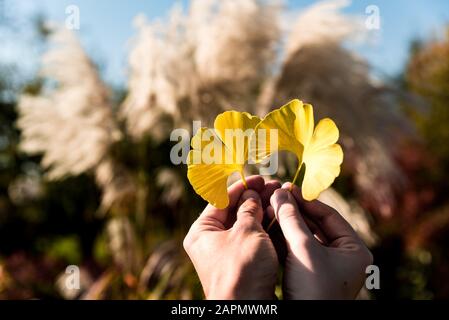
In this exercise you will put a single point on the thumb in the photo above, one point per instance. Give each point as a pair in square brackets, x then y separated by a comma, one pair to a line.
[249, 211]
[293, 225]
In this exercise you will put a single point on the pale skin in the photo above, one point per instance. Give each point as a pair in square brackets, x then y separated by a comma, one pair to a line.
[235, 258]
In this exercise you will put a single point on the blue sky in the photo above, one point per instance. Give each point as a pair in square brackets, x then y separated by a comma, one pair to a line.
[106, 27]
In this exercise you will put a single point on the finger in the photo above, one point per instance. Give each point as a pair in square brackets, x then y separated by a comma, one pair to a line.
[270, 213]
[249, 212]
[268, 190]
[269, 218]
[292, 223]
[316, 231]
[336, 229]
[234, 192]
[276, 236]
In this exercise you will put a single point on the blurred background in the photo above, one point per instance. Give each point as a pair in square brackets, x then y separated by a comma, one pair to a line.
[90, 91]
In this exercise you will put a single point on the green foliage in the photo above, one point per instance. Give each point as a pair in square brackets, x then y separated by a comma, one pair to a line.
[65, 248]
[428, 76]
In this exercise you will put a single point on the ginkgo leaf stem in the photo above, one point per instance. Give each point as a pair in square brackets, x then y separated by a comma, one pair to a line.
[244, 180]
[296, 176]
[271, 224]
[291, 188]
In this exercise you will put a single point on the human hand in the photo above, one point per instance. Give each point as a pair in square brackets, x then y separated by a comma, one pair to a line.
[232, 254]
[325, 258]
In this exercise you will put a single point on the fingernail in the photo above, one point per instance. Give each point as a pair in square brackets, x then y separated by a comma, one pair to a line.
[249, 194]
[287, 185]
[280, 196]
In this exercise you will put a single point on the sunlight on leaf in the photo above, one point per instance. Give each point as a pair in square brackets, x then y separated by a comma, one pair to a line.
[217, 153]
[315, 148]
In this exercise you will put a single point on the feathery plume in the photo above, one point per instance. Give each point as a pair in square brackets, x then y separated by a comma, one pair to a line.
[117, 184]
[198, 64]
[70, 122]
[320, 70]
[158, 66]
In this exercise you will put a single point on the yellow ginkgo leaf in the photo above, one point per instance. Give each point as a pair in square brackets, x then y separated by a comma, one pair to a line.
[315, 148]
[217, 153]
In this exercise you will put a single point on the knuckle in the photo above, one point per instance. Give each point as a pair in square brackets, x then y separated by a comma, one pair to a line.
[287, 212]
[187, 243]
[365, 257]
[190, 238]
[250, 206]
[243, 226]
[368, 258]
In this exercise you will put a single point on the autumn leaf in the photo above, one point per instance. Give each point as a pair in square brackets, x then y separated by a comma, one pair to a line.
[315, 147]
[219, 152]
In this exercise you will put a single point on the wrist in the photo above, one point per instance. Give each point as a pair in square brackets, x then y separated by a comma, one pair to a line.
[224, 290]
[219, 289]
